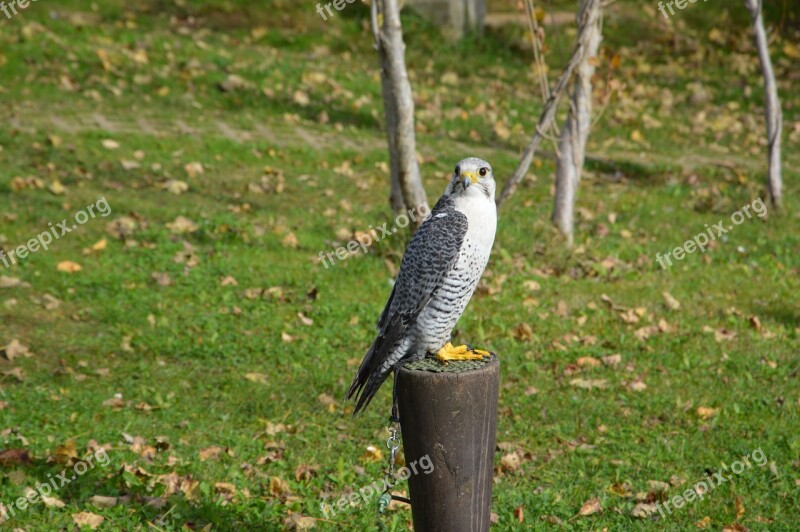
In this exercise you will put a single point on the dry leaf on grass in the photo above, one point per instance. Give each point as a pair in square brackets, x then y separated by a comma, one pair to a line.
[88, 519]
[510, 462]
[182, 225]
[68, 266]
[12, 282]
[299, 522]
[260, 378]
[590, 507]
[17, 373]
[643, 510]
[278, 486]
[589, 384]
[12, 457]
[210, 453]
[706, 412]
[176, 186]
[52, 502]
[15, 349]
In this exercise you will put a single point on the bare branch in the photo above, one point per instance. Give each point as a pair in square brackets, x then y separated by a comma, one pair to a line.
[549, 112]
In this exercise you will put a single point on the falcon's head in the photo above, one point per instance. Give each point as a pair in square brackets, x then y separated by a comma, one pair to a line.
[472, 177]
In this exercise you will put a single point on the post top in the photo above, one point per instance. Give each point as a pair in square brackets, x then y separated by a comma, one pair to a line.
[457, 366]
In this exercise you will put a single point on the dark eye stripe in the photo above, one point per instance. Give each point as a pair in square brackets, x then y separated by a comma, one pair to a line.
[458, 170]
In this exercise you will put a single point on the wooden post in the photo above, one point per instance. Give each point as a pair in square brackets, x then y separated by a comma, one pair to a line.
[449, 413]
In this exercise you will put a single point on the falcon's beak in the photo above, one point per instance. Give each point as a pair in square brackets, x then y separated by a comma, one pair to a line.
[469, 178]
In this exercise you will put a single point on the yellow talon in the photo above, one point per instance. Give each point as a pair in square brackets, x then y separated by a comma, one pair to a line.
[462, 352]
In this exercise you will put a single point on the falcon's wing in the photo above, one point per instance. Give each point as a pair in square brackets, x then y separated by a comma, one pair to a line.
[432, 253]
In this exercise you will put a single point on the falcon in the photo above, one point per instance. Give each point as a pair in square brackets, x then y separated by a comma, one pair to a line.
[440, 269]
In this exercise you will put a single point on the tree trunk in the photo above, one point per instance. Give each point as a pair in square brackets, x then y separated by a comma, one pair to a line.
[572, 145]
[772, 104]
[399, 107]
[549, 112]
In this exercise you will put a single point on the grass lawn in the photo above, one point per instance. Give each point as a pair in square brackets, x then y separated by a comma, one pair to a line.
[203, 344]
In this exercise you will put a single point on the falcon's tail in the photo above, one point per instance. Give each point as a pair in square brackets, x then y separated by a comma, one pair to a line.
[388, 349]
[369, 378]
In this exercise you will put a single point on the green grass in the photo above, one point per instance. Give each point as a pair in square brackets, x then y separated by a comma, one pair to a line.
[179, 355]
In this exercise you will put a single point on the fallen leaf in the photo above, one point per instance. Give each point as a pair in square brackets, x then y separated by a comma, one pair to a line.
[88, 519]
[703, 523]
[643, 510]
[228, 281]
[670, 302]
[305, 472]
[587, 362]
[66, 453]
[589, 384]
[110, 144]
[12, 457]
[15, 349]
[12, 282]
[299, 522]
[257, 377]
[590, 507]
[290, 241]
[372, 454]
[57, 188]
[176, 187]
[735, 527]
[510, 462]
[115, 402]
[161, 278]
[52, 502]
[121, 227]
[68, 266]
[50, 303]
[182, 225]
[278, 486]
[637, 386]
[523, 332]
[706, 412]
[17, 373]
[723, 334]
[210, 453]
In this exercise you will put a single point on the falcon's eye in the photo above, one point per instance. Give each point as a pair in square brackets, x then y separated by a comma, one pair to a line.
[483, 172]
[458, 170]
